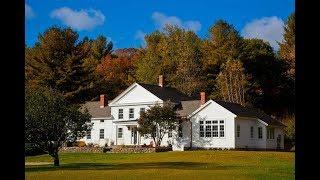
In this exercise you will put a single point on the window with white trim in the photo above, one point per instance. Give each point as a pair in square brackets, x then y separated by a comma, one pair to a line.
[201, 129]
[120, 132]
[101, 134]
[120, 114]
[89, 134]
[260, 132]
[131, 113]
[251, 132]
[221, 128]
[238, 130]
[270, 133]
[101, 120]
[212, 128]
[142, 110]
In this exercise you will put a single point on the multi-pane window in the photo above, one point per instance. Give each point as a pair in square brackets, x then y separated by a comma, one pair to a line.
[120, 132]
[201, 129]
[131, 113]
[270, 133]
[89, 134]
[142, 110]
[260, 132]
[221, 128]
[238, 130]
[101, 134]
[120, 114]
[208, 130]
[211, 128]
[251, 131]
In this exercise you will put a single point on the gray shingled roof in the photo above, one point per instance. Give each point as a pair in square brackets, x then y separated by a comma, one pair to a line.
[240, 110]
[95, 110]
[166, 93]
[188, 107]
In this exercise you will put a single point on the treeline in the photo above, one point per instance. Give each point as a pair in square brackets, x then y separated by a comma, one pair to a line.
[224, 65]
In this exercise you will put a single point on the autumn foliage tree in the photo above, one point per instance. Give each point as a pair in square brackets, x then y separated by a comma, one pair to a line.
[60, 61]
[116, 73]
[287, 46]
[232, 82]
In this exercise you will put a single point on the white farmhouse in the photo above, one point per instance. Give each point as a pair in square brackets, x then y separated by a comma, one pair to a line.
[211, 124]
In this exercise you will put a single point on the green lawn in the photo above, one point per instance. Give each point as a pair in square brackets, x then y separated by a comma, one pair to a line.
[167, 165]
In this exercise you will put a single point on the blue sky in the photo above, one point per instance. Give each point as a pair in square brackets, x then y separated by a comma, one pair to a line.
[126, 22]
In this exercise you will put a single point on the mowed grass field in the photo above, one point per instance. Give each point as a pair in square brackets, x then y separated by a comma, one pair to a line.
[166, 165]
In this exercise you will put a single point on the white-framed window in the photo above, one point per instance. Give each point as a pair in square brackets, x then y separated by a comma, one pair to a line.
[131, 113]
[201, 130]
[214, 128]
[142, 110]
[221, 128]
[120, 132]
[260, 132]
[88, 134]
[101, 134]
[238, 130]
[270, 133]
[120, 114]
[101, 120]
[251, 132]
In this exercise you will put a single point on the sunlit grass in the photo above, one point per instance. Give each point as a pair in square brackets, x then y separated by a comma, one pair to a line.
[167, 165]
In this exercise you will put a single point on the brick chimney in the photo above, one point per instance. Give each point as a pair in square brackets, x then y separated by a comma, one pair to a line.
[202, 98]
[103, 100]
[161, 82]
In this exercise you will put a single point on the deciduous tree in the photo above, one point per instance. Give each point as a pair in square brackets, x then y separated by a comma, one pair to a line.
[158, 121]
[50, 121]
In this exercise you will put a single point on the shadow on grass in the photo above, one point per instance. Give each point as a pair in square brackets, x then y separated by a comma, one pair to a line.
[130, 166]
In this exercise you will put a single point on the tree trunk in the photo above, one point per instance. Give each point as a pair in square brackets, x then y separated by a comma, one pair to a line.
[56, 159]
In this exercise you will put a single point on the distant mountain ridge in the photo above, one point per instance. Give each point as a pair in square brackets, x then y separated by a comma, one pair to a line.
[125, 52]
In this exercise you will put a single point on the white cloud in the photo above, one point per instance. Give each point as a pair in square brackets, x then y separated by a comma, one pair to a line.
[161, 20]
[84, 19]
[269, 29]
[28, 11]
[140, 35]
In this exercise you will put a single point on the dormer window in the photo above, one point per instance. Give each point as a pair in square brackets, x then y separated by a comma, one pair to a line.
[131, 113]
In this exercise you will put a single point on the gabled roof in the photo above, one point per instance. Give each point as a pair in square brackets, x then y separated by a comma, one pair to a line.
[166, 93]
[242, 111]
[95, 110]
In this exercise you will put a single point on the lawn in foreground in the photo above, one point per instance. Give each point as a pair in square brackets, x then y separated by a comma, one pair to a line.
[166, 165]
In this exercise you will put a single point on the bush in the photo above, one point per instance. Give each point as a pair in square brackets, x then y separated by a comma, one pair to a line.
[70, 144]
[106, 149]
[289, 131]
[163, 149]
[32, 150]
[80, 144]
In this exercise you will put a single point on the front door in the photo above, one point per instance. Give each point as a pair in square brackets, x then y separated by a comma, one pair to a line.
[134, 136]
